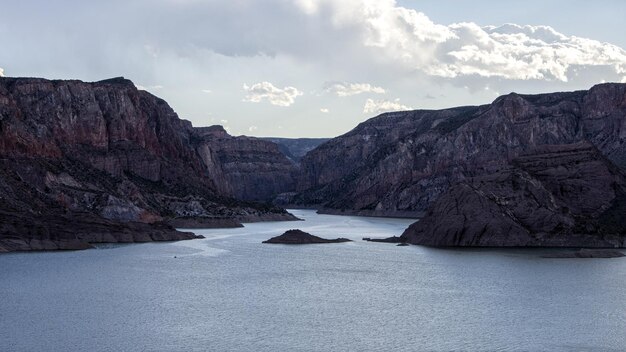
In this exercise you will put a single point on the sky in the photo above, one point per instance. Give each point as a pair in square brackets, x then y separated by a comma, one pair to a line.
[317, 68]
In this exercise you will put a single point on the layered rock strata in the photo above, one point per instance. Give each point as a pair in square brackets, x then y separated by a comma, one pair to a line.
[248, 168]
[560, 196]
[103, 162]
[398, 164]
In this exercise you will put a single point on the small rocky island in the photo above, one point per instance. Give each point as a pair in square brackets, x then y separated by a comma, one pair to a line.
[300, 237]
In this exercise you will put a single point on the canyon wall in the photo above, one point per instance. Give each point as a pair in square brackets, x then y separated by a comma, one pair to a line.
[399, 163]
[108, 163]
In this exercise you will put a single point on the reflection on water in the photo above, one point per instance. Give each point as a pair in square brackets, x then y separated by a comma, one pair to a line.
[229, 292]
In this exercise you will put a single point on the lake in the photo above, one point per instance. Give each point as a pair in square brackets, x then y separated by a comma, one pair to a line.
[229, 292]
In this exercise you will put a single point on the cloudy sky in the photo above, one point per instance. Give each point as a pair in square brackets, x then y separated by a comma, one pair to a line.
[316, 68]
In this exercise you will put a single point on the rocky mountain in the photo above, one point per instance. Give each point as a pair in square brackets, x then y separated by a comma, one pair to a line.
[296, 148]
[400, 163]
[558, 196]
[247, 168]
[105, 162]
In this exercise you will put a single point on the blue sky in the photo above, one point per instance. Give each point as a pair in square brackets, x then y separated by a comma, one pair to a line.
[313, 68]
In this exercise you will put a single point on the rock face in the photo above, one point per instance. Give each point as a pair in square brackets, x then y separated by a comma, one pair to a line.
[560, 196]
[398, 164]
[103, 162]
[247, 168]
[301, 237]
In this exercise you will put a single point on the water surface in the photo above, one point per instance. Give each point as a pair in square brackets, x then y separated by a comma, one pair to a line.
[229, 292]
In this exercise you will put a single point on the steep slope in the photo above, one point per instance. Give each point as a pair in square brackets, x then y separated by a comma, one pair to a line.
[400, 163]
[249, 168]
[558, 196]
[102, 162]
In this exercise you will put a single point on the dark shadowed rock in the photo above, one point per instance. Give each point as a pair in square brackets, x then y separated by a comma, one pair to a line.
[301, 237]
[559, 196]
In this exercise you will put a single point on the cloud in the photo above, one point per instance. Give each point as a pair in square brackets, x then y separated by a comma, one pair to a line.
[624, 79]
[208, 91]
[324, 110]
[148, 88]
[1, 72]
[252, 128]
[345, 89]
[522, 53]
[364, 46]
[267, 91]
[380, 106]
[406, 37]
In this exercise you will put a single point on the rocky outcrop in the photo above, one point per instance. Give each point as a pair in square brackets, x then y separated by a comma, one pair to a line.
[301, 237]
[247, 168]
[400, 163]
[102, 162]
[558, 196]
[296, 148]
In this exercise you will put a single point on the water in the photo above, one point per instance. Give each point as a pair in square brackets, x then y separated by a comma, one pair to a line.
[229, 292]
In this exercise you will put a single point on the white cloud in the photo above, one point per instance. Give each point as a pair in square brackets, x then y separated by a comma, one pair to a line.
[408, 38]
[224, 121]
[522, 53]
[267, 91]
[324, 110]
[252, 128]
[345, 89]
[380, 106]
[624, 79]
[208, 91]
[1, 72]
[148, 88]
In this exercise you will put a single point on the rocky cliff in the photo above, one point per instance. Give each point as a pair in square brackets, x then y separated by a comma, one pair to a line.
[558, 196]
[400, 163]
[103, 162]
[248, 168]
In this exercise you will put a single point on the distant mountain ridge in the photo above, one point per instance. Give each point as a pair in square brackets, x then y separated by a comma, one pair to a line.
[296, 148]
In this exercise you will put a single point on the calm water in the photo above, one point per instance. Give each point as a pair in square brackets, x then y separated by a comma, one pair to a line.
[229, 292]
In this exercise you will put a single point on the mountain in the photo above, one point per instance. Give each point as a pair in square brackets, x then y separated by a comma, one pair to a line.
[545, 167]
[105, 162]
[296, 148]
[401, 162]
